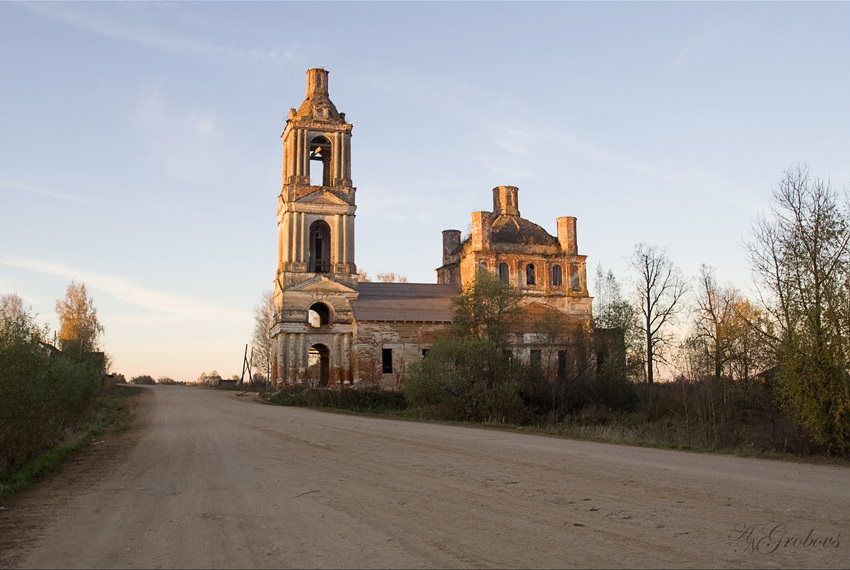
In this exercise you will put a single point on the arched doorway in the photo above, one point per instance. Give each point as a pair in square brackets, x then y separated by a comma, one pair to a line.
[318, 365]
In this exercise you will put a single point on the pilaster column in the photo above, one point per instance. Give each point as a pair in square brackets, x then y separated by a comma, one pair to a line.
[305, 157]
[302, 354]
[292, 235]
[291, 152]
[348, 232]
[281, 238]
[303, 245]
[339, 243]
[291, 368]
[345, 357]
[296, 159]
[346, 159]
[336, 168]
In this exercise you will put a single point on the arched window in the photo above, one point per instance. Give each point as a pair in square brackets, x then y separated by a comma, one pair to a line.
[557, 276]
[320, 161]
[482, 266]
[319, 315]
[575, 278]
[529, 274]
[320, 247]
[504, 272]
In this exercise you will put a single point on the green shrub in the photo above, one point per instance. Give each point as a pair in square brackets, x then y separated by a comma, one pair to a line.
[45, 395]
[368, 399]
[467, 379]
[144, 380]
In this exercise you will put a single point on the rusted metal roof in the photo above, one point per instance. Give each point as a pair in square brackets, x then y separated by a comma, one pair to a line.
[410, 302]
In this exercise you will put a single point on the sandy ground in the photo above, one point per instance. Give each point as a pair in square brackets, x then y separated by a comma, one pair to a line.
[209, 479]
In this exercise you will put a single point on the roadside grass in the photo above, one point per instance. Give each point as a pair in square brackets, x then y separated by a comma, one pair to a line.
[623, 428]
[619, 434]
[113, 415]
[370, 400]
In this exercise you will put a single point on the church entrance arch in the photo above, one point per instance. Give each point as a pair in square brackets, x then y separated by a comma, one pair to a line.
[318, 365]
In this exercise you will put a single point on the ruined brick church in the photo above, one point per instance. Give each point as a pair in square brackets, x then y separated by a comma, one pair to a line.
[331, 329]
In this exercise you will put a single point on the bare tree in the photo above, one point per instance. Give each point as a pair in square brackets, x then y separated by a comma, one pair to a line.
[714, 320]
[659, 288]
[79, 326]
[391, 278]
[264, 319]
[11, 307]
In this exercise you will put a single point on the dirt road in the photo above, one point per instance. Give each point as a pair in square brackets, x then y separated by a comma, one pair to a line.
[211, 479]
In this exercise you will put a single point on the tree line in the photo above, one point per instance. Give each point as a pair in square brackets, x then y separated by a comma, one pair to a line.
[794, 335]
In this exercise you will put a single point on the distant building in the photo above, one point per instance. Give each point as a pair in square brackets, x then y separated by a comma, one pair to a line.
[332, 330]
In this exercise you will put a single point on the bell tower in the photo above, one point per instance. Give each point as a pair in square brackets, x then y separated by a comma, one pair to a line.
[316, 277]
[316, 206]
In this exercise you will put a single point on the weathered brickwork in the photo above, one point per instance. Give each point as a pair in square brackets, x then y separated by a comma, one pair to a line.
[331, 330]
[405, 343]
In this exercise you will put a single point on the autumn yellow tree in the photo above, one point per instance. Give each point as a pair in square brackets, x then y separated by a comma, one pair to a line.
[749, 331]
[729, 333]
[79, 326]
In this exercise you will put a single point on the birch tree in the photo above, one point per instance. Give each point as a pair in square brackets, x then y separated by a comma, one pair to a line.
[79, 326]
[264, 319]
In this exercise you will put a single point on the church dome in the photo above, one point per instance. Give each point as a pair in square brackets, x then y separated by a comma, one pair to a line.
[517, 230]
[317, 103]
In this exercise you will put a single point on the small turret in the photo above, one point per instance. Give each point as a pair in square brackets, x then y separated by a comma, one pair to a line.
[505, 201]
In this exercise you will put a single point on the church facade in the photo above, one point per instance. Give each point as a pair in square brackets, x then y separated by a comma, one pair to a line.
[333, 330]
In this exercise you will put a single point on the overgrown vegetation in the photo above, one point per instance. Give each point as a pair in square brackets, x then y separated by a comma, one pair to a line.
[112, 414]
[469, 379]
[371, 399]
[801, 257]
[708, 414]
[752, 376]
[46, 396]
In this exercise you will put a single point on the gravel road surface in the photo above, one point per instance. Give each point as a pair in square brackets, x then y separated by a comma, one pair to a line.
[211, 479]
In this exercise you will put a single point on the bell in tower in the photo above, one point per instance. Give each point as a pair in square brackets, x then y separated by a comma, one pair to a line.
[316, 278]
[316, 205]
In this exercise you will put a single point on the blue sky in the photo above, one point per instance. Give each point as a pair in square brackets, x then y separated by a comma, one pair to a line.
[140, 149]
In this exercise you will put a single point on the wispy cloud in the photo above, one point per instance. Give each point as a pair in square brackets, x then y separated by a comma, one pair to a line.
[187, 143]
[131, 22]
[513, 126]
[7, 186]
[520, 131]
[125, 290]
[704, 44]
[504, 118]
